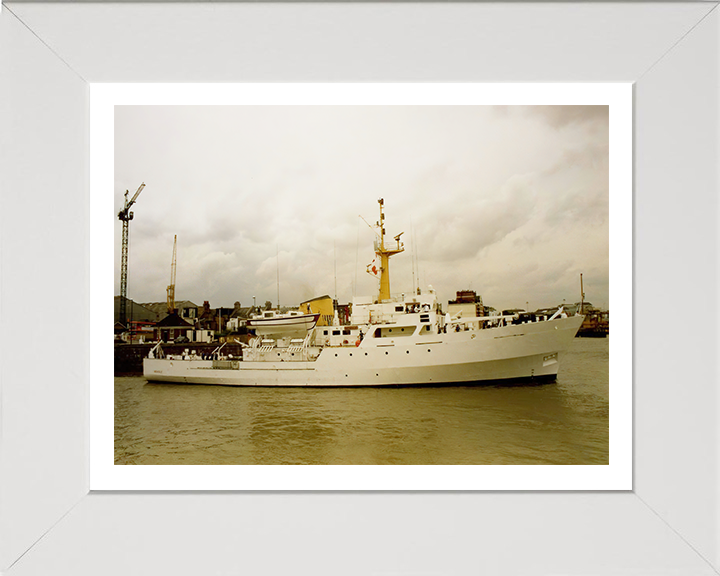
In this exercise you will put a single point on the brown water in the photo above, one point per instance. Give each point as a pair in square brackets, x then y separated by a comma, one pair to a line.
[561, 423]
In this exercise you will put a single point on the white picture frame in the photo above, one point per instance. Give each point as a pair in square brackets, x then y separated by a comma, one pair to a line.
[668, 523]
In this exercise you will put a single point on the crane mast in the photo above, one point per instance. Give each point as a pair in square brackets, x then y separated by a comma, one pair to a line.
[171, 288]
[125, 216]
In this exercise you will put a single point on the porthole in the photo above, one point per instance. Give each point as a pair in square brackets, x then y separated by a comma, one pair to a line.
[386, 352]
[407, 351]
[336, 354]
[365, 353]
[428, 351]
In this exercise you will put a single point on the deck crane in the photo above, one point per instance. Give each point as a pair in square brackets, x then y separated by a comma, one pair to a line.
[171, 288]
[125, 216]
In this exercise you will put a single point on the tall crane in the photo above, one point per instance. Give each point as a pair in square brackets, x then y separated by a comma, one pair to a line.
[125, 216]
[171, 288]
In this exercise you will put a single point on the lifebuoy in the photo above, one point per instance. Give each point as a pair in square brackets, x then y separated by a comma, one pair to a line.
[357, 342]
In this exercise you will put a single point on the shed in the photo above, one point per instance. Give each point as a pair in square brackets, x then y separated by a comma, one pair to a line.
[172, 327]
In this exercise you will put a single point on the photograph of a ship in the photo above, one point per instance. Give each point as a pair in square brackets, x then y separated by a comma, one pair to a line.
[361, 284]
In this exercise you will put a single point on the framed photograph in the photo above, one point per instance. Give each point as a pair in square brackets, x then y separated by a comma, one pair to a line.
[69, 120]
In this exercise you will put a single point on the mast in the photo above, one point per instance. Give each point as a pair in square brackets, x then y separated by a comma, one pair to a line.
[385, 254]
[582, 296]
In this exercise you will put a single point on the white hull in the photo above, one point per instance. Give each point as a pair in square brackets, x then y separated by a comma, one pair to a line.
[511, 353]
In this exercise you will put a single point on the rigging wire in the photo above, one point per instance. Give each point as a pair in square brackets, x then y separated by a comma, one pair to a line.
[357, 251]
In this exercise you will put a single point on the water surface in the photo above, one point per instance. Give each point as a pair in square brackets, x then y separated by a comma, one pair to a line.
[565, 422]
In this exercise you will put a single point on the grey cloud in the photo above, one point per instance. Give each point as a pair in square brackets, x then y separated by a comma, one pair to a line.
[562, 116]
[555, 116]
[593, 156]
[497, 199]
[464, 228]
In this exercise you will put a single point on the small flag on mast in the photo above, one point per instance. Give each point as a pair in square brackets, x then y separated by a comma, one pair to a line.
[372, 268]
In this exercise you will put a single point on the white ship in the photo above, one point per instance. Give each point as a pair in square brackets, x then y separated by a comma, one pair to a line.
[389, 342]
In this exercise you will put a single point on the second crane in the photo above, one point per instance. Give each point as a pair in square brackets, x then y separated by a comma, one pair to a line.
[171, 288]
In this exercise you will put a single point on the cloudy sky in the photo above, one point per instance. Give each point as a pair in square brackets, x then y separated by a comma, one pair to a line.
[511, 202]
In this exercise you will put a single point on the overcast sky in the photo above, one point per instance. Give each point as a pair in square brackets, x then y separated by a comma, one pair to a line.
[511, 202]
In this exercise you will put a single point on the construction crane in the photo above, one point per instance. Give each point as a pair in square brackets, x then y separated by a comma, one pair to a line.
[171, 288]
[125, 216]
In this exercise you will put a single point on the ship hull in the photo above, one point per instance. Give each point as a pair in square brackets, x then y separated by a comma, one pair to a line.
[525, 352]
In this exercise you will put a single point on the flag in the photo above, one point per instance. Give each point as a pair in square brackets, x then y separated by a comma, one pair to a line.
[372, 268]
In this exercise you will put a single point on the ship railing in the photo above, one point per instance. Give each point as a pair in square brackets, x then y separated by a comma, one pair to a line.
[266, 345]
[299, 344]
[465, 319]
[503, 320]
[477, 321]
